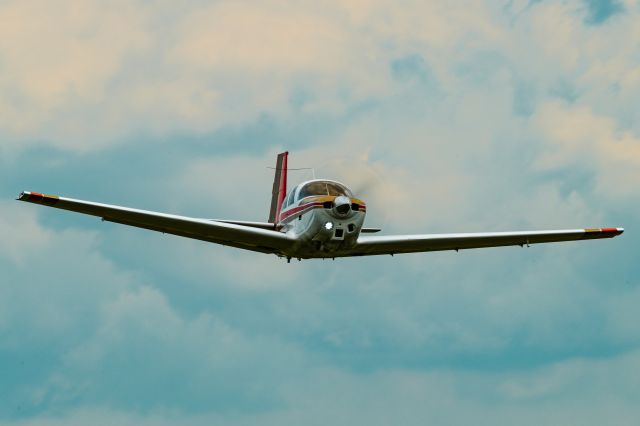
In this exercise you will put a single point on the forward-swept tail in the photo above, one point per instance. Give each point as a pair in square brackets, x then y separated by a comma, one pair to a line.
[279, 187]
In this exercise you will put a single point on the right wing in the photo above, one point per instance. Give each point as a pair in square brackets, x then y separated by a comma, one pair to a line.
[395, 244]
[228, 234]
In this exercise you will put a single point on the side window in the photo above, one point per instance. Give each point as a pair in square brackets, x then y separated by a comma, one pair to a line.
[289, 199]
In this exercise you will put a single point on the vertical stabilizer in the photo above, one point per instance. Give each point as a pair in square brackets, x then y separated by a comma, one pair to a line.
[279, 187]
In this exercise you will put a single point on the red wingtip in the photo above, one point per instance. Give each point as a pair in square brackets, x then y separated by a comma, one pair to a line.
[33, 196]
[616, 231]
[36, 197]
[612, 231]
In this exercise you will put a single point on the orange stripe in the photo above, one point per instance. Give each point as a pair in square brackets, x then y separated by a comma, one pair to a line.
[36, 197]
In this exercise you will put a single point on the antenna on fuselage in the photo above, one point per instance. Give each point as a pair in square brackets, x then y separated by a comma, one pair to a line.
[279, 190]
[313, 171]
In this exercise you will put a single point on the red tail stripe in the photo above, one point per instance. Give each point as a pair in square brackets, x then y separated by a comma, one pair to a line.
[282, 190]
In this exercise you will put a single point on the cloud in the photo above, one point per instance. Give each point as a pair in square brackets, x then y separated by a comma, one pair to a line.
[58, 61]
[77, 326]
[553, 394]
[76, 81]
[109, 75]
[578, 137]
[445, 117]
[43, 304]
[137, 344]
[22, 234]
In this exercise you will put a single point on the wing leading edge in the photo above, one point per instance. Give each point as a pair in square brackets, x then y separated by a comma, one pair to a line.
[395, 244]
[256, 236]
[225, 233]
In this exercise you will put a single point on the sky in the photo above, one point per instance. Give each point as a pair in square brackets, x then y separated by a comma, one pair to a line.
[446, 116]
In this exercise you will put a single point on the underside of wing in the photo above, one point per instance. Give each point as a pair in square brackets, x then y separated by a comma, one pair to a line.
[229, 233]
[395, 244]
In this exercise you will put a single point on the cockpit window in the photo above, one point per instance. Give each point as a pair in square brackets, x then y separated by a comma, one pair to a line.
[323, 188]
[313, 188]
[335, 189]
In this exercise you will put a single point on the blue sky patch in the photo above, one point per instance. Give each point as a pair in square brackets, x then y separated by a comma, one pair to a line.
[599, 11]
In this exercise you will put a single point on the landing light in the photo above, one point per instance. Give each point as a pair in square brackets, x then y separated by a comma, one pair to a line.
[328, 226]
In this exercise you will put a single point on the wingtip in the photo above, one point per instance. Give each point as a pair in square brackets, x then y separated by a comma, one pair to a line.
[23, 196]
[36, 197]
[612, 231]
[603, 232]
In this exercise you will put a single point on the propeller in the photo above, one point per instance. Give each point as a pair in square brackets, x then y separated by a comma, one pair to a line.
[364, 178]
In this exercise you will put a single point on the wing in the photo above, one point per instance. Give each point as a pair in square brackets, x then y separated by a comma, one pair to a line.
[392, 244]
[229, 234]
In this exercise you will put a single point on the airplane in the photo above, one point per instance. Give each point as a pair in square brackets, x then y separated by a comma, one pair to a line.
[319, 218]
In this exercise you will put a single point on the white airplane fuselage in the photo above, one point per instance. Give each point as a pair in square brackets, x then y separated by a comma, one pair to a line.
[322, 225]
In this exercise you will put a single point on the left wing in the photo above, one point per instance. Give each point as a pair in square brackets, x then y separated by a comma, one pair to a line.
[246, 235]
[392, 244]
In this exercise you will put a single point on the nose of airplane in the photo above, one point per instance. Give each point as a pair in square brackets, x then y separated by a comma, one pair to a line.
[342, 205]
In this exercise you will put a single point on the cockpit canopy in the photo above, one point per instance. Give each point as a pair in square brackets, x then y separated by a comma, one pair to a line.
[315, 188]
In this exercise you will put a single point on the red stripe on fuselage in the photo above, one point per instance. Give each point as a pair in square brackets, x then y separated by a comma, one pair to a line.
[299, 210]
[306, 207]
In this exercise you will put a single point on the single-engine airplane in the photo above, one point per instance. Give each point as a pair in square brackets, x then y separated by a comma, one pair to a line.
[319, 218]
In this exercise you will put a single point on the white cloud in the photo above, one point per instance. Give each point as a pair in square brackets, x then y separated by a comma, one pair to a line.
[577, 137]
[58, 60]
[99, 75]
[45, 289]
[21, 234]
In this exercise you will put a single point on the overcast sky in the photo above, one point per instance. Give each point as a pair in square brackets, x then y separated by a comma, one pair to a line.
[446, 116]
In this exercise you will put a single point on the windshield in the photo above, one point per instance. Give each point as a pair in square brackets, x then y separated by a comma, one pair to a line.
[323, 188]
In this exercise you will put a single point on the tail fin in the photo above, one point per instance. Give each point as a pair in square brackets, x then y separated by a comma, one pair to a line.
[279, 187]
